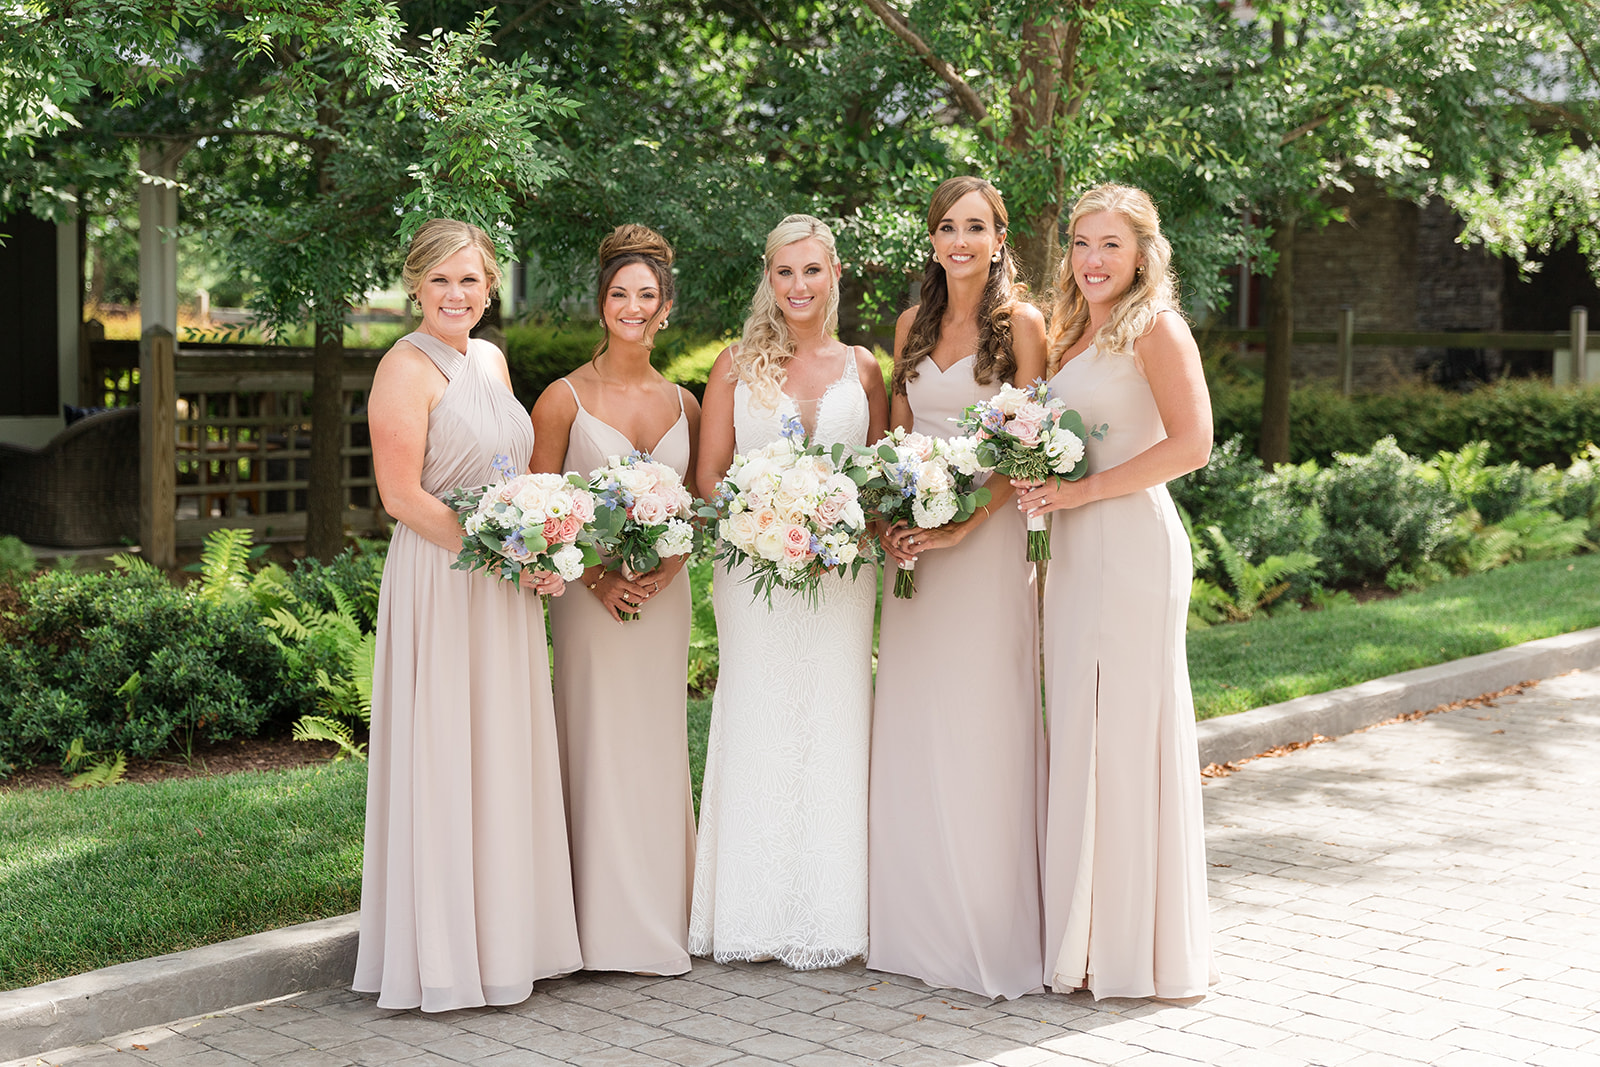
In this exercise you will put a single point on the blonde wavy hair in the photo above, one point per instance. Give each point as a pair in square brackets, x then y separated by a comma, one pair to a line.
[439, 239]
[766, 345]
[1154, 287]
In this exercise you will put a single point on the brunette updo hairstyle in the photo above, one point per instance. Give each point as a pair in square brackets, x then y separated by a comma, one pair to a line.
[439, 239]
[1001, 295]
[632, 243]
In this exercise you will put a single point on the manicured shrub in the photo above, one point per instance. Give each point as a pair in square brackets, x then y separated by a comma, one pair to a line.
[1379, 513]
[123, 661]
[1528, 422]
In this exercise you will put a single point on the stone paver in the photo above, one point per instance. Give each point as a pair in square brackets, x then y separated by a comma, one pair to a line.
[1425, 892]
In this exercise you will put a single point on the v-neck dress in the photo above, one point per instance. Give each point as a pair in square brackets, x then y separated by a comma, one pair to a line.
[466, 891]
[621, 693]
[781, 869]
[958, 772]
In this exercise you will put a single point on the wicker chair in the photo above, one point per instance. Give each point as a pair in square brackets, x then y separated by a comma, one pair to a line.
[81, 490]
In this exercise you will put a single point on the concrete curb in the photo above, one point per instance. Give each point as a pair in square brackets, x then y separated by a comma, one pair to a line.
[113, 1000]
[1342, 711]
[90, 1007]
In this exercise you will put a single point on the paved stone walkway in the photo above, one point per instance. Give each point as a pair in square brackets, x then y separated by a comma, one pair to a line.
[1424, 892]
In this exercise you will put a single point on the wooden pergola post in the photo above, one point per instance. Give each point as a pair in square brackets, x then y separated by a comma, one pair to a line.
[158, 449]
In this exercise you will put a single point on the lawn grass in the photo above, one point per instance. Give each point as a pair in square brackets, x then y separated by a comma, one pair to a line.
[1239, 666]
[103, 876]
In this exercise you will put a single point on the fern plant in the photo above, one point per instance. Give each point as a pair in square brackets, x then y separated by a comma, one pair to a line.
[108, 770]
[313, 638]
[1255, 585]
[225, 565]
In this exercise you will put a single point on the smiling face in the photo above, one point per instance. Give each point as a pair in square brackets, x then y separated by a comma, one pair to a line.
[453, 294]
[1105, 257]
[802, 279]
[630, 303]
[965, 238]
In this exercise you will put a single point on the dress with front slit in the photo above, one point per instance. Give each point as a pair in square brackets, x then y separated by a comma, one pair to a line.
[1124, 861]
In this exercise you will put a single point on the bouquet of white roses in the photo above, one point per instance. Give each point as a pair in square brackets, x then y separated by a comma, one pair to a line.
[643, 514]
[793, 511]
[529, 522]
[921, 481]
[1030, 434]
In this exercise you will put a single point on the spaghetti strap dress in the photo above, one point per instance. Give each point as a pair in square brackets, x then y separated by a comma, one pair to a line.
[466, 889]
[1124, 863]
[621, 693]
[957, 796]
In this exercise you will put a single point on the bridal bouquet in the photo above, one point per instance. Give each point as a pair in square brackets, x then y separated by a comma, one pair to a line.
[921, 481]
[642, 514]
[1030, 434]
[529, 522]
[793, 511]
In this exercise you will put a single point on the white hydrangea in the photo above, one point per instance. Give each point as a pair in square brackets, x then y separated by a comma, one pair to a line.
[568, 560]
[677, 539]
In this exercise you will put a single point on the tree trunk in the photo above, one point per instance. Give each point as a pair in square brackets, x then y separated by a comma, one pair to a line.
[1279, 314]
[1043, 93]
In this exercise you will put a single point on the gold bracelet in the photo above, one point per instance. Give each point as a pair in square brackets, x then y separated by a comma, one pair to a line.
[985, 508]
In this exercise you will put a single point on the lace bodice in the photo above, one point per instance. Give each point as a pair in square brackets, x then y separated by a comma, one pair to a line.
[842, 414]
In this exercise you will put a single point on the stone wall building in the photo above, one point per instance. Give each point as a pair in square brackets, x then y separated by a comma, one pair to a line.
[1400, 267]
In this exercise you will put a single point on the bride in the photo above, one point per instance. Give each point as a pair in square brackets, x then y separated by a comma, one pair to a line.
[781, 867]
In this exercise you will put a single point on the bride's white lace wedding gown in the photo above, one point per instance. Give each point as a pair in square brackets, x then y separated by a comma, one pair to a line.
[781, 867]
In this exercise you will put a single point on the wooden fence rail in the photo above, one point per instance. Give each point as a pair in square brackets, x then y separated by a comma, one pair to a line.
[1570, 346]
[226, 442]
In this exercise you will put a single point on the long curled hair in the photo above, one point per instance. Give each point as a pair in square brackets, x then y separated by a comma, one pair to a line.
[1002, 293]
[766, 344]
[1154, 288]
[632, 243]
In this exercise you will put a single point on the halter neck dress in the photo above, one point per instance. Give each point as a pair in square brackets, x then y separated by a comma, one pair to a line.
[466, 889]
[621, 702]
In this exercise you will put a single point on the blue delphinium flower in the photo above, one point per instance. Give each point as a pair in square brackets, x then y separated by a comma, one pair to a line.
[793, 429]
[502, 466]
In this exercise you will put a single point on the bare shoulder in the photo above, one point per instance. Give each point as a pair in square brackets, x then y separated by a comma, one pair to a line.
[691, 404]
[722, 369]
[1027, 313]
[1168, 337]
[405, 365]
[556, 401]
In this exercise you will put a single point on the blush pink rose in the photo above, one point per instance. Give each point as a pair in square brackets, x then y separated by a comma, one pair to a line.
[651, 509]
[563, 531]
[829, 511]
[1026, 429]
[796, 544]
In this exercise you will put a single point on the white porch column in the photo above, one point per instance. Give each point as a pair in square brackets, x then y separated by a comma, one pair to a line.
[158, 250]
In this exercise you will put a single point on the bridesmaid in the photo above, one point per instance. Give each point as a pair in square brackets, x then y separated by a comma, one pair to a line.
[466, 895]
[957, 743]
[621, 687]
[1124, 861]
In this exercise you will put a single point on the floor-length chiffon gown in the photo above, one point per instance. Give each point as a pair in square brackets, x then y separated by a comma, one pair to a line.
[957, 793]
[466, 891]
[781, 865]
[1124, 863]
[621, 699]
